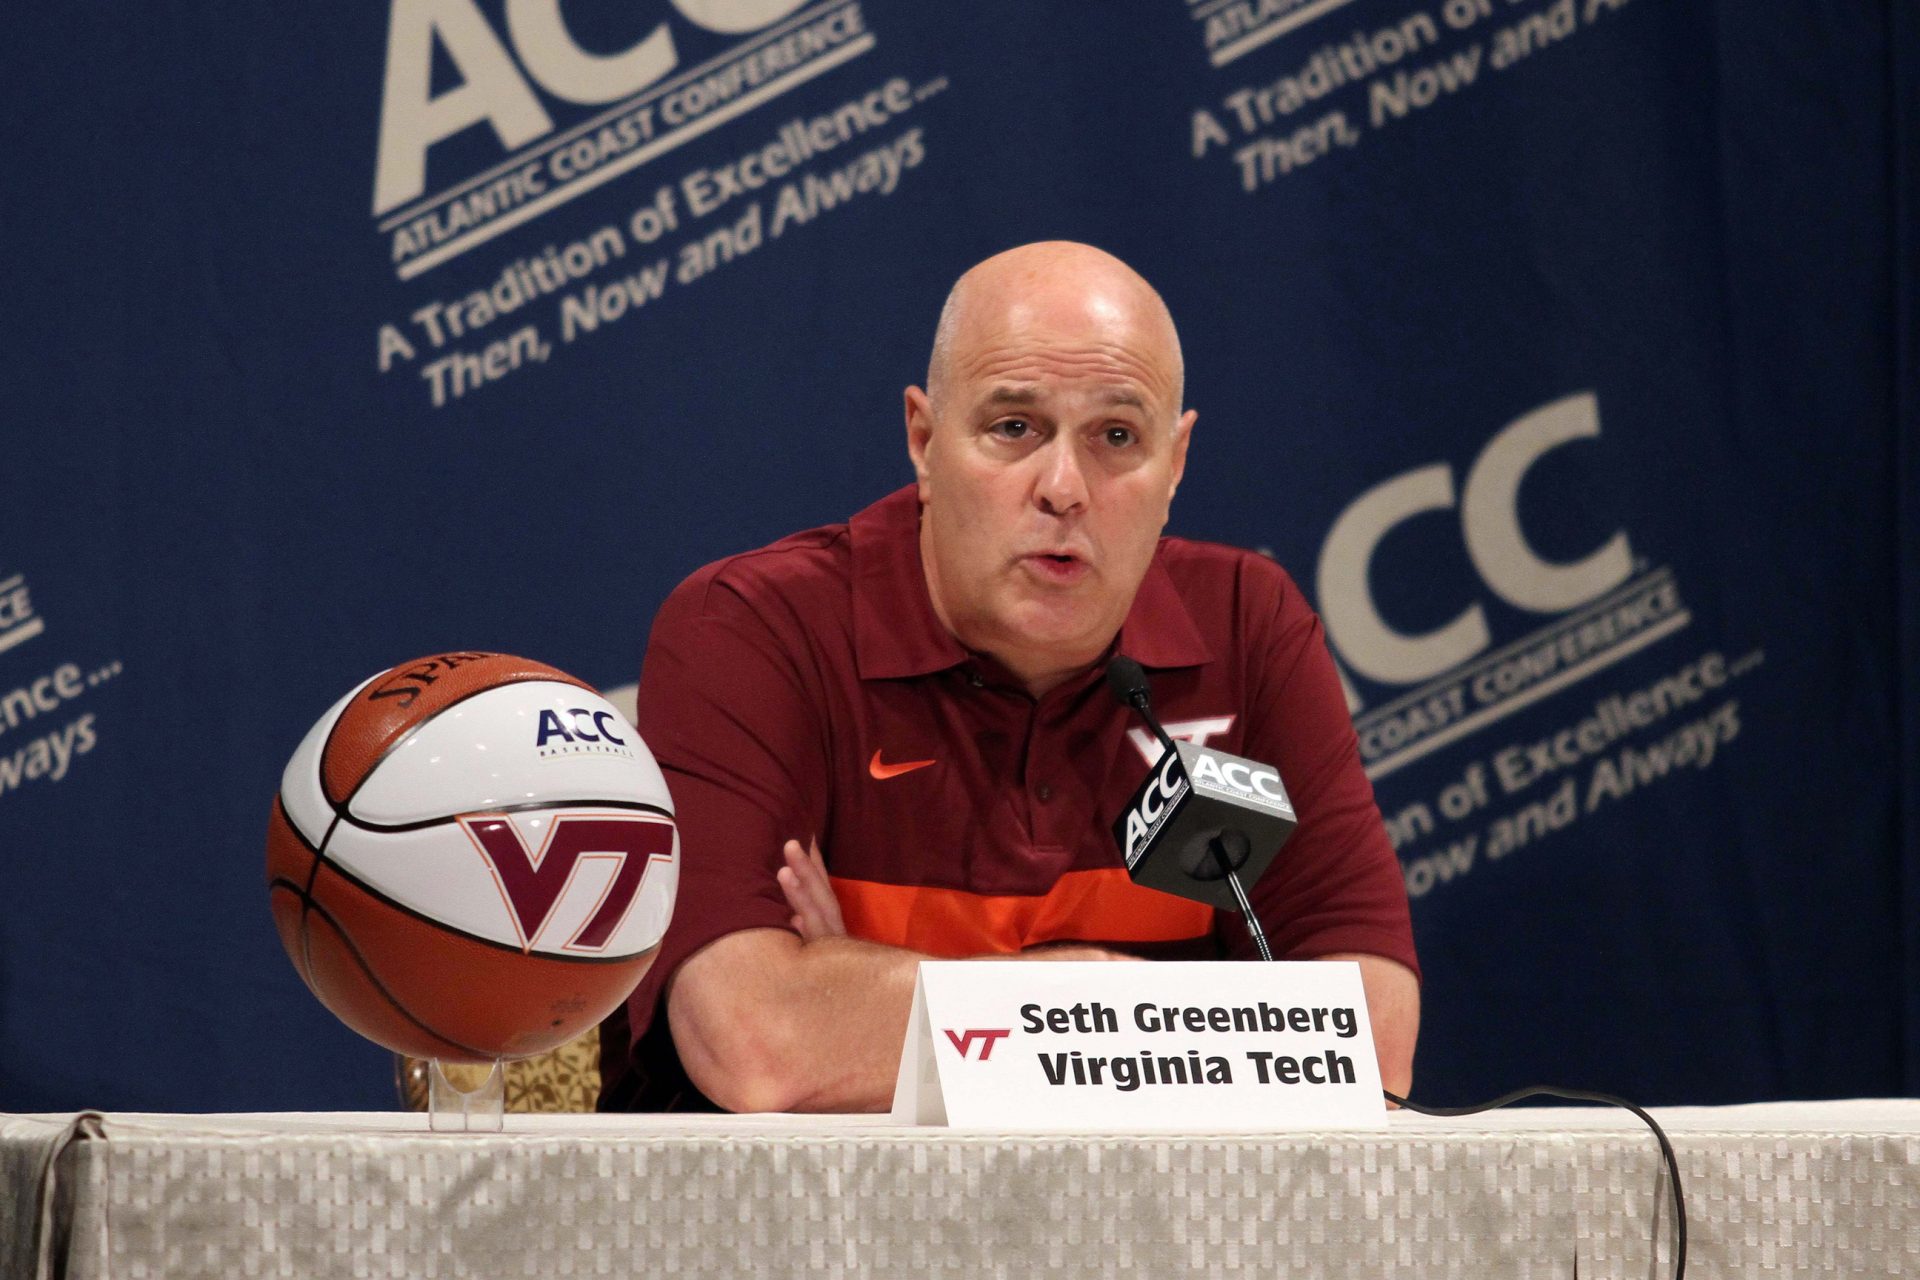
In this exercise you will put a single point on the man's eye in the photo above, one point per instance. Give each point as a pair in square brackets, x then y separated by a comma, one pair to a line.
[1120, 437]
[1011, 429]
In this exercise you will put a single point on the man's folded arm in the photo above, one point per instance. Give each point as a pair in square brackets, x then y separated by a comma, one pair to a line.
[764, 1021]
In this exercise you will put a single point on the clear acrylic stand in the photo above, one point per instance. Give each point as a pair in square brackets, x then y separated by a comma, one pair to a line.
[466, 1097]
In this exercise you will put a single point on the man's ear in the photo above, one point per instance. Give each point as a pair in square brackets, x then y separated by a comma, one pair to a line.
[919, 432]
[1182, 434]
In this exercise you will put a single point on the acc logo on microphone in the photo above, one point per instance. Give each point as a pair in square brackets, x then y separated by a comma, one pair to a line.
[1240, 780]
[1159, 797]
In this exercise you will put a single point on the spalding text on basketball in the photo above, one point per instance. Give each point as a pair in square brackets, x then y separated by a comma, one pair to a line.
[409, 683]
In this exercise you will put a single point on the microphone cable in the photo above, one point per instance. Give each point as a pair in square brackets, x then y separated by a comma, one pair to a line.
[1127, 681]
[1583, 1095]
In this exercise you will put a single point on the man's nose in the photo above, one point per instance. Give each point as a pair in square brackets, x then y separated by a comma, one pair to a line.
[1062, 483]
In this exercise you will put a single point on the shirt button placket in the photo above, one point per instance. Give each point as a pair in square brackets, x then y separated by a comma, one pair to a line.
[1043, 824]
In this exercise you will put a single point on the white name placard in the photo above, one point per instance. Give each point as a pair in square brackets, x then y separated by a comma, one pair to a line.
[1201, 1045]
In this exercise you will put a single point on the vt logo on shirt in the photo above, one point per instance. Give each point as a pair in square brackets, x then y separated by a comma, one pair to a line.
[1195, 731]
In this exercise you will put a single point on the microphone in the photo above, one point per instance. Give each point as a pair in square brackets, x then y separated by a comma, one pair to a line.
[1201, 818]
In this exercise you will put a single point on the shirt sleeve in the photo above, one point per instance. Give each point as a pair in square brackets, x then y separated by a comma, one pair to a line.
[726, 707]
[1336, 884]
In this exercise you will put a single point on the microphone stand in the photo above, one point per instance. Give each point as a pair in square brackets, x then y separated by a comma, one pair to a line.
[1219, 850]
[1127, 679]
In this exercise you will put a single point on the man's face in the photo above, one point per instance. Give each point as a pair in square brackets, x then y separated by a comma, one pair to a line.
[1046, 470]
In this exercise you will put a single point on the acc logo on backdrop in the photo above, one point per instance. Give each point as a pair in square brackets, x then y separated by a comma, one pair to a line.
[18, 622]
[508, 77]
[1600, 610]
[495, 91]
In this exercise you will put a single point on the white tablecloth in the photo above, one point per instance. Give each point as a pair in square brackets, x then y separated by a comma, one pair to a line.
[1807, 1189]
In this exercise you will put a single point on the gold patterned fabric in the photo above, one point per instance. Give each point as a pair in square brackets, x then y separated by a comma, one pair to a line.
[563, 1079]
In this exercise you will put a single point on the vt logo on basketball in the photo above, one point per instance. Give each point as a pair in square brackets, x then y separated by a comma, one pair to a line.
[581, 883]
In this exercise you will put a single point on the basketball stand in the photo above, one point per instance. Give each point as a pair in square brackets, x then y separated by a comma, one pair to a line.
[465, 1097]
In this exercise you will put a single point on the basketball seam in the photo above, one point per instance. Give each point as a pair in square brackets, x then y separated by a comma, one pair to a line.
[353, 950]
[639, 806]
[313, 873]
[339, 806]
[458, 932]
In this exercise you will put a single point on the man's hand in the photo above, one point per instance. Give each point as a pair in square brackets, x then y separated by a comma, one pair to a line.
[1393, 1007]
[816, 912]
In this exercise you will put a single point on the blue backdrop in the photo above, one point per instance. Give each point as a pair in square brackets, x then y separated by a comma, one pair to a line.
[1564, 350]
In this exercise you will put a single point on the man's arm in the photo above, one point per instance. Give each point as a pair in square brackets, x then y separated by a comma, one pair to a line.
[1337, 892]
[769, 1021]
[1393, 1007]
[765, 1020]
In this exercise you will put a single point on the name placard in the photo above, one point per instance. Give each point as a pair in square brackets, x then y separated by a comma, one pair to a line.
[1198, 1045]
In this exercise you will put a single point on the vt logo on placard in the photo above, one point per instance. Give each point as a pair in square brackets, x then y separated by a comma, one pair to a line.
[986, 1039]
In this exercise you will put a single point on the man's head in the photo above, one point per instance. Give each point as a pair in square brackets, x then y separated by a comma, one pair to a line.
[1048, 443]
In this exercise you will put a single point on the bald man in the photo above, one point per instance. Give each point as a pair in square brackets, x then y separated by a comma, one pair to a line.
[888, 740]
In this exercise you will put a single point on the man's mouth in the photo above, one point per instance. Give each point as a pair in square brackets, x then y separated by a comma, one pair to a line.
[1056, 566]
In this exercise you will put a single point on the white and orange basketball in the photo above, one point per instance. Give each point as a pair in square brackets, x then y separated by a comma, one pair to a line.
[472, 856]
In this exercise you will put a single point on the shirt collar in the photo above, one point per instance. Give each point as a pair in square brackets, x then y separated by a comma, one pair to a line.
[897, 633]
[1158, 631]
[895, 630]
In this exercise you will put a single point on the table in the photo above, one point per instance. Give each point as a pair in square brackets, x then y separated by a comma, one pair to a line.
[1800, 1189]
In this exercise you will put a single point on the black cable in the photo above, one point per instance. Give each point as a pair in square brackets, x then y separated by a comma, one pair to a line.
[1128, 682]
[1582, 1095]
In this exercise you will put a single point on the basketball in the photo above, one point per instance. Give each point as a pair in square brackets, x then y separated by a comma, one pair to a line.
[472, 856]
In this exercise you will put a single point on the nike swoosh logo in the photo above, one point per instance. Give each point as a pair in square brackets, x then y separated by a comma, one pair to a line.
[885, 771]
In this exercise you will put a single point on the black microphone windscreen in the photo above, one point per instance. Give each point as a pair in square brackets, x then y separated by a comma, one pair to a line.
[1126, 679]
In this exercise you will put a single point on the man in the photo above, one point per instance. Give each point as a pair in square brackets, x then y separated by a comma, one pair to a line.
[889, 740]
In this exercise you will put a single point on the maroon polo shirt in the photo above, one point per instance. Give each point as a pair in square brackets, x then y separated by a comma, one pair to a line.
[808, 690]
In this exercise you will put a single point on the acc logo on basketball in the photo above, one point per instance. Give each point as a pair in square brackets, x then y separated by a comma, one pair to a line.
[1155, 803]
[578, 729]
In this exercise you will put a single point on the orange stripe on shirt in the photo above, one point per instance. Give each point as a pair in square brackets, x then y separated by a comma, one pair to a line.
[1101, 905]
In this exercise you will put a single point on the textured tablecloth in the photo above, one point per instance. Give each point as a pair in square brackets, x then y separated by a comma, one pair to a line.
[1808, 1189]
